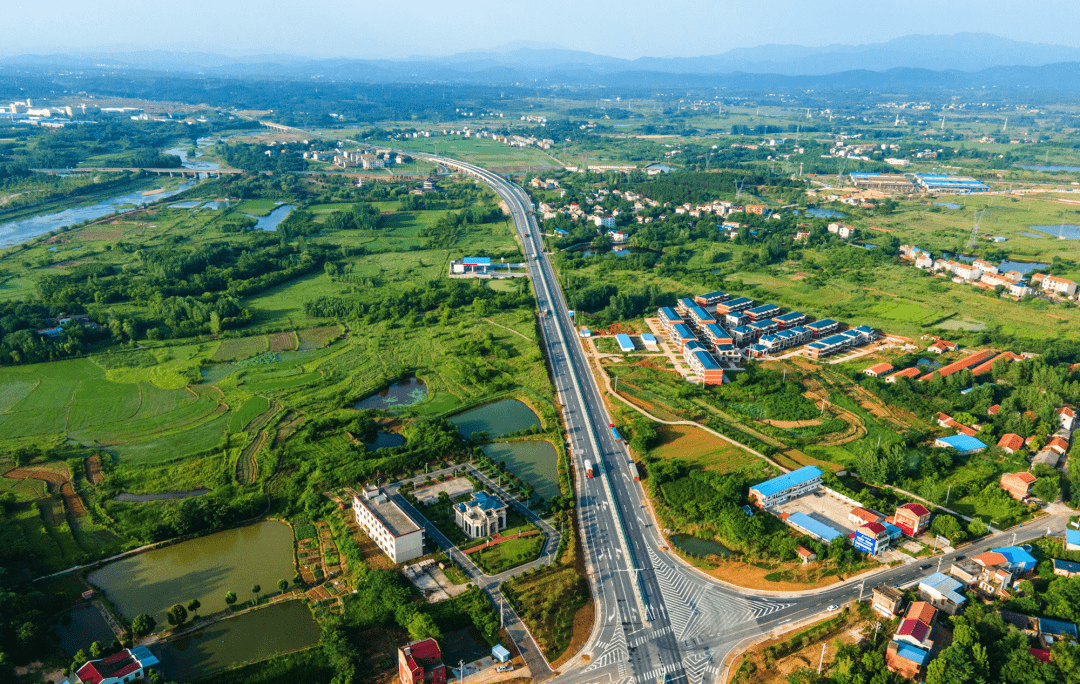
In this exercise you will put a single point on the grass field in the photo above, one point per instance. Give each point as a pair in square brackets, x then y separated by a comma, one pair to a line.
[241, 348]
[509, 554]
[700, 449]
[250, 410]
[485, 152]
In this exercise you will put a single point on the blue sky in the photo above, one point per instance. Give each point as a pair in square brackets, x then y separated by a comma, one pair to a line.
[391, 28]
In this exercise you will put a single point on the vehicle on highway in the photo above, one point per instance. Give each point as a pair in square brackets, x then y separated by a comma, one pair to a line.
[834, 607]
[588, 468]
[961, 557]
[615, 432]
[926, 566]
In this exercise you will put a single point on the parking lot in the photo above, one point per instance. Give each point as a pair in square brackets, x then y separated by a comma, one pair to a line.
[831, 511]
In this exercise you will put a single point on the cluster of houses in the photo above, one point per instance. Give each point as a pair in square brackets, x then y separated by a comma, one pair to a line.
[732, 328]
[983, 274]
[358, 158]
[511, 140]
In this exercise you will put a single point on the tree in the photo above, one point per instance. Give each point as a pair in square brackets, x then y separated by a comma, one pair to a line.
[143, 625]
[422, 626]
[96, 649]
[177, 615]
[255, 589]
[282, 585]
[193, 606]
[1047, 489]
[230, 598]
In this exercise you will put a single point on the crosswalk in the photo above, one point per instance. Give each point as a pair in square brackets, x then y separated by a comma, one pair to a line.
[696, 609]
[614, 652]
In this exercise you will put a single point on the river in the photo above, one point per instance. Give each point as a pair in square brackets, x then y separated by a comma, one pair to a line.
[204, 568]
[23, 230]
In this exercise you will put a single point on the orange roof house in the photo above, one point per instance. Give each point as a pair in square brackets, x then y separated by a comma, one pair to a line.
[1018, 485]
[1011, 442]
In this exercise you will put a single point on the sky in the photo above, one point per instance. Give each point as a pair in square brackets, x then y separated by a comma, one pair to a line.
[393, 29]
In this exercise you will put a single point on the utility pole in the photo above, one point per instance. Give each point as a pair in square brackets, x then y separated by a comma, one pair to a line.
[616, 388]
[822, 661]
[461, 670]
[823, 402]
[947, 494]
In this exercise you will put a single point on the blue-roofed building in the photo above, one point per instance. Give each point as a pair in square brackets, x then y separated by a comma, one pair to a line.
[756, 351]
[943, 592]
[1052, 630]
[711, 299]
[790, 319]
[649, 340]
[699, 317]
[734, 305]
[905, 659]
[894, 531]
[499, 653]
[1072, 540]
[471, 265]
[681, 334]
[1018, 558]
[760, 313]
[728, 352]
[705, 367]
[684, 305]
[625, 343]
[814, 528]
[787, 486]
[734, 320]
[743, 335]
[962, 443]
[482, 516]
[1066, 568]
[822, 327]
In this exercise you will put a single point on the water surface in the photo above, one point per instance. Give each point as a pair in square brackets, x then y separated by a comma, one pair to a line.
[496, 419]
[385, 440]
[80, 627]
[1024, 267]
[251, 637]
[534, 461]
[695, 546]
[947, 205]
[824, 213]
[270, 221]
[405, 392]
[1064, 231]
[204, 568]
[1046, 167]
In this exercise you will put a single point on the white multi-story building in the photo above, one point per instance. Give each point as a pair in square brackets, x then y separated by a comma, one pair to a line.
[388, 525]
[482, 516]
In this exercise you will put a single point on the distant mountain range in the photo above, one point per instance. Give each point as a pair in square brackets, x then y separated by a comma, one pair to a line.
[517, 63]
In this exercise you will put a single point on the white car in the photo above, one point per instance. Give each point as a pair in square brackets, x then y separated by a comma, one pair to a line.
[833, 607]
[505, 668]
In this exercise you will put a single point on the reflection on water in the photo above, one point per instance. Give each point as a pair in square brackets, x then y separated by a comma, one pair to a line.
[534, 461]
[700, 547]
[496, 419]
[270, 221]
[405, 392]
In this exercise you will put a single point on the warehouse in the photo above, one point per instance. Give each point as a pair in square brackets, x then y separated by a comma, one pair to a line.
[787, 486]
[894, 183]
[625, 343]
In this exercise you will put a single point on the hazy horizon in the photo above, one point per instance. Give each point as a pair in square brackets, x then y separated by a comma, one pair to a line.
[426, 28]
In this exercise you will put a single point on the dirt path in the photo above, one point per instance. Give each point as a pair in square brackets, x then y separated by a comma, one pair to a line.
[500, 325]
[93, 470]
[247, 467]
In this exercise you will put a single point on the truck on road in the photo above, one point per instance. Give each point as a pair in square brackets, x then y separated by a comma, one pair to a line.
[588, 468]
[615, 432]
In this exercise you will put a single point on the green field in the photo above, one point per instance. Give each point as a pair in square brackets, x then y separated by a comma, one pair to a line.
[250, 410]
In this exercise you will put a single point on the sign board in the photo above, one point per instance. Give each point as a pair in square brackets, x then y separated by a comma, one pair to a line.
[943, 540]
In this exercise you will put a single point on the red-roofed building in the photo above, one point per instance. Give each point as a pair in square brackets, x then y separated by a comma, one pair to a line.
[421, 662]
[1039, 654]
[912, 518]
[913, 632]
[861, 516]
[1066, 416]
[994, 410]
[964, 363]
[805, 554]
[941, 346]
[876, 371]
[923, 612]
[1059, 445]
[125, 666]
[1018, 485]
[1011, 442]
[912, 372]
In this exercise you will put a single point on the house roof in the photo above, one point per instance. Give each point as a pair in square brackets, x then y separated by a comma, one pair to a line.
[921, 610]
[994, 410]
[914, 629]
[1058, 444]
[865, 515]
[948, 587]
[989, 559]
[803, 551]
[912, 653]
[1067, 566]
[1016, 555]
[878, 369]
[818, 529]
[424, 653]
[962, 442]
[874, 528]
[1023, 476]
[1011, 441]
[907, 373]
[787, 481]
[1040, 654]
[1057, 627]
[916, 508]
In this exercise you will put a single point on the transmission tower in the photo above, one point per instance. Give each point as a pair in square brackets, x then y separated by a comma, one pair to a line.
[975, 229]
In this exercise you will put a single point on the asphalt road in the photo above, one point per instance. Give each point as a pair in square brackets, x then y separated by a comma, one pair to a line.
[657, 619]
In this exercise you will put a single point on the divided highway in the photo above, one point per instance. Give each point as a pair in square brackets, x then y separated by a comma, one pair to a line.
[657, 619]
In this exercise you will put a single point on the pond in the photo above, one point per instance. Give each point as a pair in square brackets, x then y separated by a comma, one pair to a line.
[80, 627]
[1046, 167]
[385, 440]
[204, 569]
[824, 213]
[947, 205]
[534, 461]
[251, 637]
[1033, 235]
[1024, 267]
[17, 232]
[496, 419]
[1062, 231]
[405, 392]
[695, 546]
[161, 496]
[270, 221]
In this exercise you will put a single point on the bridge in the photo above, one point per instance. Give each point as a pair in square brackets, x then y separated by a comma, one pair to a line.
[179, 171]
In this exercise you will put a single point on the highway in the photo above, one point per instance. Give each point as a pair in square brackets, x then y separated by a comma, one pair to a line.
[657, 619]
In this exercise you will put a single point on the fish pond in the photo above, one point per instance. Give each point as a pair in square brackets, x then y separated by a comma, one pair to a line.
[497, 419]
[405, 392]
[205, 568]
[696, 546]
[257, 635]
[534, 461]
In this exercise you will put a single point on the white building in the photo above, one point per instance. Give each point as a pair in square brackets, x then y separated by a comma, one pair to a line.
[484, 515]
[391, 528]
